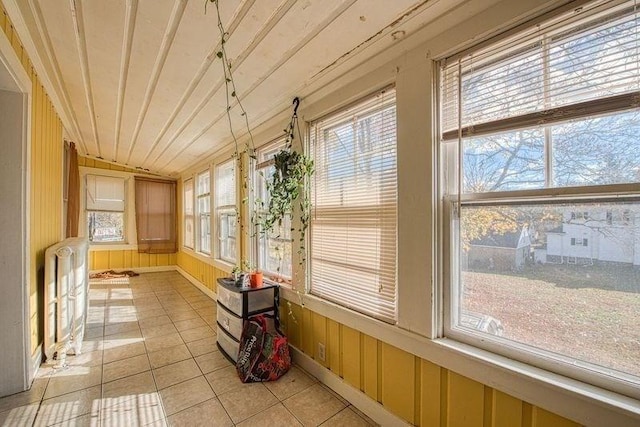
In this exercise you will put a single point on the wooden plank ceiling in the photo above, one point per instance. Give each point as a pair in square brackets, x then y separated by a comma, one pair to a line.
[141, 84]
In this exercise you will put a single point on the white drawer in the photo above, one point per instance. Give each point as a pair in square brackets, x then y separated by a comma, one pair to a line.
[257, 300]
[228, 344]
[229, 322]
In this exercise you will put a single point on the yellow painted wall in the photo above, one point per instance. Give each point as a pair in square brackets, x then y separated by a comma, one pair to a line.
[122, 259]
[412, 388]
[47, 149]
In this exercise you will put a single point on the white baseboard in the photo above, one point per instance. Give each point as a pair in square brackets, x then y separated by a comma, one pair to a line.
[364, 403]
[197, 283]
[155, 269]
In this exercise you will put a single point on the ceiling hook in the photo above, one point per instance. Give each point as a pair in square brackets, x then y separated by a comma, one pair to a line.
[296, 104]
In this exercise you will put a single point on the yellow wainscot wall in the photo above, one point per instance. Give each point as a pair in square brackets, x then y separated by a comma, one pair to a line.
[45, 191]
[412, 388]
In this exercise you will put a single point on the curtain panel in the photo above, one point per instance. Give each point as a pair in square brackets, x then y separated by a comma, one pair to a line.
[156, 216]
[73, 192]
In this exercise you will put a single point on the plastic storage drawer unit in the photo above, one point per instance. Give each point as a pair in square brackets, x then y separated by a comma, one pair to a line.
[228, 344]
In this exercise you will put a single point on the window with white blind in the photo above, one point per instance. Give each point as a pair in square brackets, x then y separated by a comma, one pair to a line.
[273, 247]
[187, 210]
[541, 152]
[203, 207]
[105, 206]
[353, 229]
[226, 211]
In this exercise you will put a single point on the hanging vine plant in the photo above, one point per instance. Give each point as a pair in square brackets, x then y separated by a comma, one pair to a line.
[288, 184]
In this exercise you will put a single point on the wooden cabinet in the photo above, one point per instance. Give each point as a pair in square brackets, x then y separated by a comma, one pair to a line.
[235, 305]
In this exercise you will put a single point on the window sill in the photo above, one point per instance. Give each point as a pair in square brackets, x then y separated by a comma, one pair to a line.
[120, 246]
[578, 401]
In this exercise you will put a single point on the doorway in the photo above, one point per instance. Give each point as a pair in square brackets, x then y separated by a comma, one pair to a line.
[15, 347]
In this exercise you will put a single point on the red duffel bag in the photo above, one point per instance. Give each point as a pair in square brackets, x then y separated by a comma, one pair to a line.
[264, 352]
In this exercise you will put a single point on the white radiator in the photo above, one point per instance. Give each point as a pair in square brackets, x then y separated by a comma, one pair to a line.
[66, 287]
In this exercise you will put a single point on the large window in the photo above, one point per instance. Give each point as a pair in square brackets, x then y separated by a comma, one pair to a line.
[354, 196]
[226, 211]
[189, 225]
[274, 246]
[203, 199]
[542, 161]
[105, 205]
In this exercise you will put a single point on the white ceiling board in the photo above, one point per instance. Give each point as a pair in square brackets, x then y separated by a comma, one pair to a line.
[141, 82]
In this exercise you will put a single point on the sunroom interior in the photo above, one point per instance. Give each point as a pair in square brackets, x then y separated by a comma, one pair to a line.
[464, 249]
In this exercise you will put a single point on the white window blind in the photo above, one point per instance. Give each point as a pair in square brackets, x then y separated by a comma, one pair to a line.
[225, 205]
[105, 193]
[189, 235]
[353, 251]
[565, 68]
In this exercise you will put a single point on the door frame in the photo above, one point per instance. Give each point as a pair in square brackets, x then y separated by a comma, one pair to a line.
[9, 60]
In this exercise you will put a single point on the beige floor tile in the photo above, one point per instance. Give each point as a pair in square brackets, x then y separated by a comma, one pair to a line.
[34, 394]
[83, 421]
[176, 373]
[73, 379]
[209, 413]
[141, 411]
[314, 405]
[159, 330]
[277, 415]
[154, 321]
[122, 390]
[247, 401]
[224, 380]
[125, 367]
[291, 383]
[128, 336]
[169, 355]
[185, 395]
[210, 362]
[200, 347]
[197, 334]
[116, 328]
[93, 332]
[162, 342]
[146, 314]
[183, 325]
[19, 416]
[183, 315]
[346, 417]
[86, 358]
[69, 406]
[116, 352]
[203, 304]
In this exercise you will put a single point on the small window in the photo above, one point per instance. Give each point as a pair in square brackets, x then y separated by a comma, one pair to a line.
[203, 200]
[273, 248]
[226, 211]
[353, 251]
[105, 205]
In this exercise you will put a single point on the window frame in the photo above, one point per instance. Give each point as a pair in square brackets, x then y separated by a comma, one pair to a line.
[184, 244]
[257, 168]
[337, 117]
[449, 163]
[198, 214]
[223, 213]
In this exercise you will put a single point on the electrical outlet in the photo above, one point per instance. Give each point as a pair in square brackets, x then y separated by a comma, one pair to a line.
[321, 352]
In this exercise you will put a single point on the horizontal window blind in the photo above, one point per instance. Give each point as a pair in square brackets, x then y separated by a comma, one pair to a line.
[581, 64]
[105, 193]
[225, 184]
[354, 217]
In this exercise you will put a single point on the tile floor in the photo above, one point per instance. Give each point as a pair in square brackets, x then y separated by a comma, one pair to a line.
[150, 359]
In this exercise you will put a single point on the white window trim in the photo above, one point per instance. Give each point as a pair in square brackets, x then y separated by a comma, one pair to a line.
[196, 213]
[184, 214]
[217, 261]
[130, 236]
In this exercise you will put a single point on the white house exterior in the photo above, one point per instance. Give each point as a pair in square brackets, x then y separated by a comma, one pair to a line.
[608, 233]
